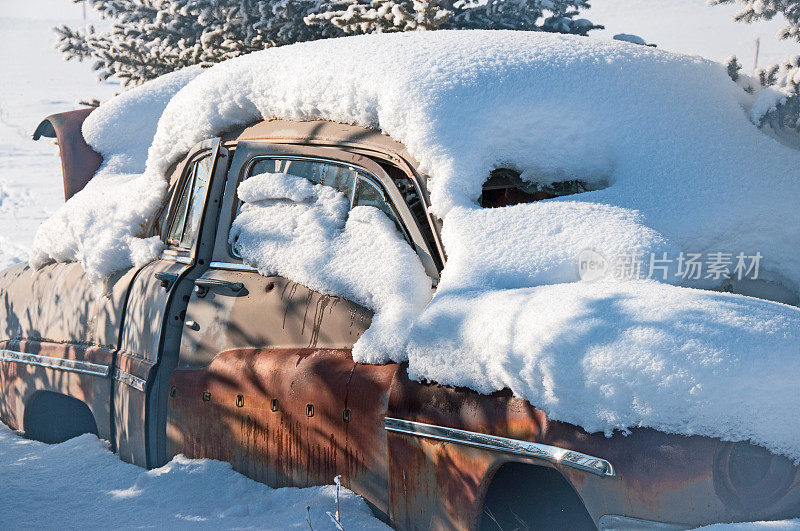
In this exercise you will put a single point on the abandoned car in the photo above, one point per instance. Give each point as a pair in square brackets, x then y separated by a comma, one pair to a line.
[198, 354]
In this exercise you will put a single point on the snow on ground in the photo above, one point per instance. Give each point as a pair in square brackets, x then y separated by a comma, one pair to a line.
[36, 82]
[693, 27]
[79, 484]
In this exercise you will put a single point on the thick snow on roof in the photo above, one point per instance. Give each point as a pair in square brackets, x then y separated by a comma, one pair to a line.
[667, 135]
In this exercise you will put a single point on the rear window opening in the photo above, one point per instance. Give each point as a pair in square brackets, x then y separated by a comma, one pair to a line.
[505, 187]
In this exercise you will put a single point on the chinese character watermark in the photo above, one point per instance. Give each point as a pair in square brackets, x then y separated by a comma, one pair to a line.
[717, 265]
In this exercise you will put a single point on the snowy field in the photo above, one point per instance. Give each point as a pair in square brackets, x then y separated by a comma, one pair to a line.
[86, 485]
[692, 27]
[35, 83]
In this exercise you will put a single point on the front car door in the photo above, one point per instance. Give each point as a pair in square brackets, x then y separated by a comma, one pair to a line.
[265, 363]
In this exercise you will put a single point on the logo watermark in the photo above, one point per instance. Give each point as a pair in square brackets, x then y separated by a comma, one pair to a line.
[594, 265]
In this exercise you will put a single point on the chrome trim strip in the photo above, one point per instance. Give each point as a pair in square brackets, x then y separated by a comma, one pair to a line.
[231, 266]
[552, 454]
[176, 258]
[610, 522]
[129, 379]
[54, 363]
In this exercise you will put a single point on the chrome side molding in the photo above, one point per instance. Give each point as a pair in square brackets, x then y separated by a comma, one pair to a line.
[615, 522]
[231, 266]
[129, 379]
[552, 454]
[174, 257]
[64, 364]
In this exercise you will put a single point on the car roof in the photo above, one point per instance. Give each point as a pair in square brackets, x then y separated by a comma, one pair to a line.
[326, 133]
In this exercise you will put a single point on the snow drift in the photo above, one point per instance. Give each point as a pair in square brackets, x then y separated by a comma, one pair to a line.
[100, 225]
[684, 171]
[80, 484]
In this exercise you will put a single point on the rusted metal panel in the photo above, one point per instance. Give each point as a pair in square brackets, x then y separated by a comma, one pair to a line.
[323, 133]
[268, 312]
[79, 161]
[111, 307]
[19, 381]
[275, 414]
[129, 407]
[54, 303]
[146, 309]
[146, 315]
[367, 466]
[250, 407]
[436, 485]
[659, 476]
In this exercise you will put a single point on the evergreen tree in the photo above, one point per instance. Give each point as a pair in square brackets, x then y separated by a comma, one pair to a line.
[377, 16]
[148, 38]
[784, 76]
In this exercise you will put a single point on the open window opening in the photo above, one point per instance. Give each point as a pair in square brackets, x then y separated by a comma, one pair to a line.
[505, 187]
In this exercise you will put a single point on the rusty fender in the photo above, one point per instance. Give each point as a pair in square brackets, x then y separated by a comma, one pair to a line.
[82, 372]
[657, 476]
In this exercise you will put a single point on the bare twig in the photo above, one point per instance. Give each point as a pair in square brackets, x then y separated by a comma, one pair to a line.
[336, 519]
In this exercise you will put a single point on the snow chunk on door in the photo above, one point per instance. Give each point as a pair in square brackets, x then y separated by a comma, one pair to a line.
[338, 239]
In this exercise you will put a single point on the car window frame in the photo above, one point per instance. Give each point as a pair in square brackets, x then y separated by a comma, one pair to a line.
[187, 179]
[246, 150]
[179, 177]
[361, 173]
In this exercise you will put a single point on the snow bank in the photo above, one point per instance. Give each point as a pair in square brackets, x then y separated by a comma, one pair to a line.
[79, 484]
[684, 171]
[100, 225]
[610, 356]
[293, 228]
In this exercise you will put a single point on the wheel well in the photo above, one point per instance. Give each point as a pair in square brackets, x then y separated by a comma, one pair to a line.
[53, 418]
[522, 496]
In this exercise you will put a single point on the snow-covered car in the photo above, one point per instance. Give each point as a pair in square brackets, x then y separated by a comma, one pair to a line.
[208, 352]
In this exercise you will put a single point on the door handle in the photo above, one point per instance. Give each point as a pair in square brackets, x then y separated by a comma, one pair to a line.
[167, 279]
[202, 285]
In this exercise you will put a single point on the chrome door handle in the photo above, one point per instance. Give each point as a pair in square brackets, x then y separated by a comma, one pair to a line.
[206, 284]
[167, 279]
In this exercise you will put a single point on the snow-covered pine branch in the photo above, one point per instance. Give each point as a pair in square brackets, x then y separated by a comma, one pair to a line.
[383, 16]
[784, 77]
[149, 38]
[152, 37]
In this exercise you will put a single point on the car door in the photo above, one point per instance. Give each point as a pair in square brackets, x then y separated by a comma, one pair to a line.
[156, 304]
[265, 363]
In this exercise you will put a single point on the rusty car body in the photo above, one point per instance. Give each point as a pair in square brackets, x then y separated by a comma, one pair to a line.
[198, 354]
